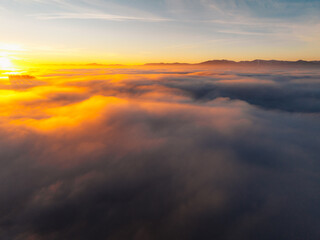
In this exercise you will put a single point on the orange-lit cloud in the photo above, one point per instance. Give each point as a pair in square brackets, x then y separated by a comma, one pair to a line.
[159, 152]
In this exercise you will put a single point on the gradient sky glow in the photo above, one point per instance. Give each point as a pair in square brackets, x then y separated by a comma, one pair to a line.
[139, 31]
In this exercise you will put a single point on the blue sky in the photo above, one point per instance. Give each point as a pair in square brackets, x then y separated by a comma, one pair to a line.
[163, 30]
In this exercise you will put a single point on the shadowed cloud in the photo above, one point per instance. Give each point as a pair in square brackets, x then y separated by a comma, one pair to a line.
[154, 153]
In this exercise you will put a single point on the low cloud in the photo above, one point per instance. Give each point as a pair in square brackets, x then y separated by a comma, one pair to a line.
[207, 154]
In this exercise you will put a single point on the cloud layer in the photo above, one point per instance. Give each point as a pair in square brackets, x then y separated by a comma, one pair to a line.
[161, 153]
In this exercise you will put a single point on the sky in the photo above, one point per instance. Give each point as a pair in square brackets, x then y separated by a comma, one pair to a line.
[140, 31]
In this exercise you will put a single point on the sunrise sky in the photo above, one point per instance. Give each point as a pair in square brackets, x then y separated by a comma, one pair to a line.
[97, 145]
[140, 31]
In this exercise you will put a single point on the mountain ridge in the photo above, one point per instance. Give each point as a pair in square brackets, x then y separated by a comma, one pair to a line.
[243, 63]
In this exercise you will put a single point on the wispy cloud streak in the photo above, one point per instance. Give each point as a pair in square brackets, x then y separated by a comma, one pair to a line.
[97, 16]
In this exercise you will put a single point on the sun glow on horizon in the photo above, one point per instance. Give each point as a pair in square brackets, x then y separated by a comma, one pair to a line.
[6, 64]
[9, 67]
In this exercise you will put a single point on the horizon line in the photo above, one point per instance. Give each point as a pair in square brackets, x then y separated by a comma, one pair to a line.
[187, 63]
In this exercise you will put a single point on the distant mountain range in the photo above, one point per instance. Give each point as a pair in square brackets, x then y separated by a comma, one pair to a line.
[256, 62]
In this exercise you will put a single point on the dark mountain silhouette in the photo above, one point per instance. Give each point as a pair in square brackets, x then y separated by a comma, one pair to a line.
[167, 64]
[257, 62]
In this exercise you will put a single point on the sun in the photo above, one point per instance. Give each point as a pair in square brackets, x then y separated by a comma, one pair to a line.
[6, 64]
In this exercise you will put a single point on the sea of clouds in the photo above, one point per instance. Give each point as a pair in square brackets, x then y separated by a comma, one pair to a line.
[161, 153]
